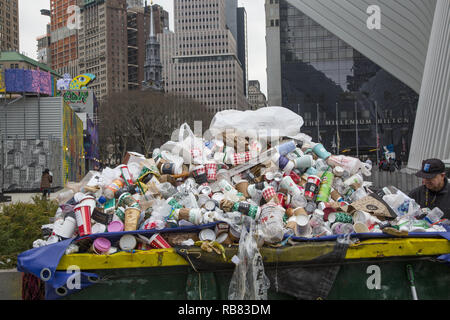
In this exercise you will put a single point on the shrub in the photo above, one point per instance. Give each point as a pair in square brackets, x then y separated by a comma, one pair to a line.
[20, 226]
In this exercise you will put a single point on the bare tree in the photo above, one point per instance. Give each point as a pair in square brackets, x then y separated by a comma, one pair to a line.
[143, 120]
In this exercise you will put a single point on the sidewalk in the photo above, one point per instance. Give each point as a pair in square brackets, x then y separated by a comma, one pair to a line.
[27, 197]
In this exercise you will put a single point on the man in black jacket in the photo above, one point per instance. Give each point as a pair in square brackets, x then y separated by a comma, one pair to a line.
[435, 191]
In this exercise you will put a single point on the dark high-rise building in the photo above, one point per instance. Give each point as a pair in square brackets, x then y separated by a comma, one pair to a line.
[336, 89]
[9, 24]
[243, 44]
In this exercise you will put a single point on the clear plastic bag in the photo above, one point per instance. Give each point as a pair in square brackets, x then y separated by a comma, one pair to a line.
[249, 281]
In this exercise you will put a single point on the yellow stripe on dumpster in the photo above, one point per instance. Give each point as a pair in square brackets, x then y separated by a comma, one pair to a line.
[381, 248]
[374, 248]
[139, 259]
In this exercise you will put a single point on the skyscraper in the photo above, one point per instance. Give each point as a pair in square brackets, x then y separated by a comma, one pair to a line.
[348, 102]
[63, 37]
[9, 25]
[200, 58]
[243, 44]
[103, 45]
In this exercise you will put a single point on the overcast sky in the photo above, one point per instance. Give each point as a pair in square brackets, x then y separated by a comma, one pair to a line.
[32, 25]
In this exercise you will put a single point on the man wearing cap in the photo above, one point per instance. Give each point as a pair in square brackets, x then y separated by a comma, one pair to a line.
[435, 189]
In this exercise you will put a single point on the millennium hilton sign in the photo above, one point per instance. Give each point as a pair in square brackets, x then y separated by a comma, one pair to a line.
[359, 122]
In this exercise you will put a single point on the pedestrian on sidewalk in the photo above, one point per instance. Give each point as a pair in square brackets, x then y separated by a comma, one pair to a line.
[46, 184]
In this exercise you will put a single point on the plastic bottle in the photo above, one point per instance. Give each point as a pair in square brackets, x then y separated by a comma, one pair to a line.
[110, 191]
[166, 189]
[434, 216]
[358, 194]
[65, 196]
[325, 187]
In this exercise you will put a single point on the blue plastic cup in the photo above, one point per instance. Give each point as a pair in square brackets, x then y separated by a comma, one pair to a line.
[321, 152]
[285, 148]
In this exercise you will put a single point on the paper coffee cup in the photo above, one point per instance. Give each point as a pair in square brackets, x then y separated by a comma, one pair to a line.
[234, 235]
[90, 201]
[83, 217]
[300, 211]
[132, 216]
[242, 187]
[360, 228]
[158, 242]
[66, 229]
[292, 225]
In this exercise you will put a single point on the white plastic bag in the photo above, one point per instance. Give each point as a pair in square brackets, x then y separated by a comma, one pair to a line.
[187, 146]
[265, 123]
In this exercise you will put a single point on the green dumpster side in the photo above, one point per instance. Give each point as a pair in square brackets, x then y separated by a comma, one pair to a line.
[365, 280]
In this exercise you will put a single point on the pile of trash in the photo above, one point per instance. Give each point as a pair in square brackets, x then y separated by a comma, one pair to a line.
[290, 187]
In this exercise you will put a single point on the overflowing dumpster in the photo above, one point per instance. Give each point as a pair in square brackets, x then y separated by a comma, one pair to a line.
[253, 210]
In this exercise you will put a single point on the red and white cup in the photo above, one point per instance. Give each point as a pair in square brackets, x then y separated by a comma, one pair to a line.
[211, 171]
[199, 174]
[158, 242]
[312, 187]
[241, 158]
[83, 217]
[269, 193]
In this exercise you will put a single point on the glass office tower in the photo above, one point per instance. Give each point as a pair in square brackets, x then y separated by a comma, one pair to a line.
[338, 91]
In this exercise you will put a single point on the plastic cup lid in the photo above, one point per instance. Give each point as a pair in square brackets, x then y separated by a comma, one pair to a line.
[269, 176]
[115, 226]
[218, 196]
[210, 205]
[302, 220]
[98, 228]
[207, 234]
[222, 237]
[102, 244]
[127, 242]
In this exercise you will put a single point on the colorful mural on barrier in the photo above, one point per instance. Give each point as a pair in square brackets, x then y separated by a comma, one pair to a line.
[30, 81]
[73, 148]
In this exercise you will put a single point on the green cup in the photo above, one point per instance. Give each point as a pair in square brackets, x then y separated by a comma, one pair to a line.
[343, 217]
